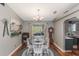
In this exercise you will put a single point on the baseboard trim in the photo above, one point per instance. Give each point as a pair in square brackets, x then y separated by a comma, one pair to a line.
[60, 51]
[15, 50]
[59, 47]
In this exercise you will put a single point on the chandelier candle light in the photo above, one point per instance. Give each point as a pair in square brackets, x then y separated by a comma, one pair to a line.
[38, 17]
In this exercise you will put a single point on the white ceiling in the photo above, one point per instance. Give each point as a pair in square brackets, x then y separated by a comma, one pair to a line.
[27, 10]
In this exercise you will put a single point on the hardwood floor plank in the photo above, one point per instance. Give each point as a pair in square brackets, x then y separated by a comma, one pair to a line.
[56, 49]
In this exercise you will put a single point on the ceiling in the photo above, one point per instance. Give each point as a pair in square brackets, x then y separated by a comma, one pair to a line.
[48, 10]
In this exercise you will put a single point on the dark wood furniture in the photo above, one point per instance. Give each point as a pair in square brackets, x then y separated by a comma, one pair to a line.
[25, 36]
[50, 32]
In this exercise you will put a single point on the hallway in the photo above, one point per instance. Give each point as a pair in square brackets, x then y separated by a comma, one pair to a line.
[39, 29]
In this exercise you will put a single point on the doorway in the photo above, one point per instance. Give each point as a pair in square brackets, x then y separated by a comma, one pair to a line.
[72, 35]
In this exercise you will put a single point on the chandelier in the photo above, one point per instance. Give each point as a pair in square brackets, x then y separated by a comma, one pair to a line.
[38, 17]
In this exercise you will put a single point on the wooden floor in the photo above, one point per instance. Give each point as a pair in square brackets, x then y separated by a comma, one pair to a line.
[56, 50]
[76, 52]
[19, 49]
[52, 46]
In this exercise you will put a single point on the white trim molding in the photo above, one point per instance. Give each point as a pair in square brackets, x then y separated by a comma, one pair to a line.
[15, 50]
[62, 49]
[59, 47]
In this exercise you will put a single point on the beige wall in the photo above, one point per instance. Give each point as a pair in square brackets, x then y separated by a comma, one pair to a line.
[58, 34]
[59, 29]
[8, 44]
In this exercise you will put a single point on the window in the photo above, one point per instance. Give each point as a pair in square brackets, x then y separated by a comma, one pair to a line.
[73, 27]
[37, 29]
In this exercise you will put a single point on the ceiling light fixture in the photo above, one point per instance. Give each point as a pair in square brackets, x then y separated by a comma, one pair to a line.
[38, 17]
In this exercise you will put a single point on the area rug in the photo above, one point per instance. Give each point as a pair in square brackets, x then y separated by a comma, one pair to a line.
[47, 52]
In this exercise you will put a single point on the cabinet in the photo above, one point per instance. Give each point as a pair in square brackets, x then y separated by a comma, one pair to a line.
[68, 44]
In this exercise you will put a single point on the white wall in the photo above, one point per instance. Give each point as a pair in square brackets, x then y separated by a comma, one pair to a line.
[58, 34]
[59, 29]
[7, 44]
